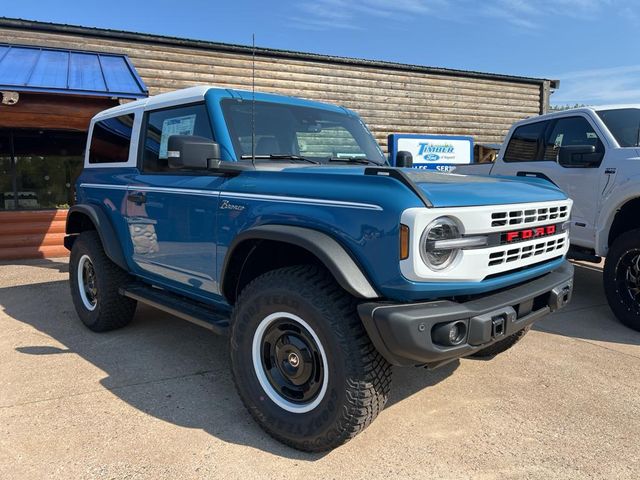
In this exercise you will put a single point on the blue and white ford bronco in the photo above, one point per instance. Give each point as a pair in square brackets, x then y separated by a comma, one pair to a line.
[278, 222]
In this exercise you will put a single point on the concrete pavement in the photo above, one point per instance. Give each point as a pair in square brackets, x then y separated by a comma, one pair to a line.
[155, 400]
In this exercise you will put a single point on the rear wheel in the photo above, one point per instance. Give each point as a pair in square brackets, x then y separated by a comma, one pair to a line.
[302, 362]
[622, 278]
[94, 280]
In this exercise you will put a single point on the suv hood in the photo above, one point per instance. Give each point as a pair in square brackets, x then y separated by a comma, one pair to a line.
[455, 190]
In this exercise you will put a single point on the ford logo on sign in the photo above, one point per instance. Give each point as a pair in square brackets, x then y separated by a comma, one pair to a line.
[432, 157]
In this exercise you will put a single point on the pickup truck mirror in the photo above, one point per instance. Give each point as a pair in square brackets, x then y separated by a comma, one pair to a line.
[579, 156]
[404, 159]
[192, 152]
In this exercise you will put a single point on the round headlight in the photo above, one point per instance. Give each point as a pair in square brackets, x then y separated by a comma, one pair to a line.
[443, 228]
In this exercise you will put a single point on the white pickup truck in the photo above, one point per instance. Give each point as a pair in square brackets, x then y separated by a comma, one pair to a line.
[593, 154]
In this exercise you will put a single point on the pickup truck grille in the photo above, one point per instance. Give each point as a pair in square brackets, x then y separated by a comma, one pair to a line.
[514, 253]
[552, 214]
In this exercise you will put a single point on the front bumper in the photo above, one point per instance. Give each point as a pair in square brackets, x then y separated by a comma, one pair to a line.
[403, 333]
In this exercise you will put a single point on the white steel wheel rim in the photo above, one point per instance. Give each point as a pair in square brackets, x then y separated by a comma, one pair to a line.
[80, 275]
[258, 368]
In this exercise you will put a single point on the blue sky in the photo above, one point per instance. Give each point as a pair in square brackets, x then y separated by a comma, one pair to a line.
[590, 45]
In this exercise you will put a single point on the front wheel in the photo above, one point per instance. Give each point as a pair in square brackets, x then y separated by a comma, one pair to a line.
[302, 362]
[94, 280]
[622, 278]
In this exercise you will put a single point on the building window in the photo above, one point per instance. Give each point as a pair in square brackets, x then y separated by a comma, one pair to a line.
[39, 168]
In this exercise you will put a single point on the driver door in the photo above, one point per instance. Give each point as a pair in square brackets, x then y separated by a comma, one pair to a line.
[171, 213]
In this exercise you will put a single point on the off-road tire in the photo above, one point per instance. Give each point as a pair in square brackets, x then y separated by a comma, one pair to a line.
[619, 292]
[111, 310]
[359, 378]
[501, 346]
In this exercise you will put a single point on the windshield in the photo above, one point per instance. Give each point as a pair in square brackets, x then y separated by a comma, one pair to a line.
[624, 125]
[289, 130]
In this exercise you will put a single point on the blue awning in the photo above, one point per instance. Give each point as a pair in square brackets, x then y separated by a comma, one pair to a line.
[33, 69]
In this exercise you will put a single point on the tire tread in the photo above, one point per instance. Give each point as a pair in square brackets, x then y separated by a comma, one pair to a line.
[622, 244]
[367, 390]
[115, 310]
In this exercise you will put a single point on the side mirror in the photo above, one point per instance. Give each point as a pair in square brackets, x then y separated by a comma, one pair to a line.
[404, 159]
[191, 152]
[579, 156]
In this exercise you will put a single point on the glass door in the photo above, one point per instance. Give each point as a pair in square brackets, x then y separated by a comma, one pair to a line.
[7, 173]
[47, 163]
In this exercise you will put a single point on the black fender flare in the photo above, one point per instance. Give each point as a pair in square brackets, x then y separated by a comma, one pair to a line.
[102, 224]
[332, 255]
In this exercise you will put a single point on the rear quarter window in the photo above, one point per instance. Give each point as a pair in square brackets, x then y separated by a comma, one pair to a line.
[111, 140]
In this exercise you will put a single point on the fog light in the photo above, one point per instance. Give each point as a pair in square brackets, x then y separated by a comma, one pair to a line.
[449, 334]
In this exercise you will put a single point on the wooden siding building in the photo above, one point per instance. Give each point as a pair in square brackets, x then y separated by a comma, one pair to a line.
[390, 97]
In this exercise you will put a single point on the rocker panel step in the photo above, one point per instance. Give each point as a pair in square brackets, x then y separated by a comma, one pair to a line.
[178, 306]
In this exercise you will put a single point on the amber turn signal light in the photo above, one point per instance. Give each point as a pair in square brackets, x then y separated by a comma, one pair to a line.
[404, 242]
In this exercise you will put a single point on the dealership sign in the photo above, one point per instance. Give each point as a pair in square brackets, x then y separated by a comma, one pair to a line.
[433, 152]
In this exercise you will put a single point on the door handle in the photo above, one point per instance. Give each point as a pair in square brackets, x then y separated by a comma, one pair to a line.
[137, 198]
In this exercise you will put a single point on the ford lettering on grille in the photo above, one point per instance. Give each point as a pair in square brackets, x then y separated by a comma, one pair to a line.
[528, 234]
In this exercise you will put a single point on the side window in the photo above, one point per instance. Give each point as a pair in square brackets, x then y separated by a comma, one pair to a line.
[161, 124]
[111, 139]
[571, 132]
[524, 143]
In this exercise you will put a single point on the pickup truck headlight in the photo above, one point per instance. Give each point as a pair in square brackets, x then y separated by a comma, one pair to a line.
[435, 253]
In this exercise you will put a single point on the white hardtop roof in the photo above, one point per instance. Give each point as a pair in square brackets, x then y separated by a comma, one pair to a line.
[185, 95]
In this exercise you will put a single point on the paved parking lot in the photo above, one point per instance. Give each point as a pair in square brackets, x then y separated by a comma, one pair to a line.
[155, 400]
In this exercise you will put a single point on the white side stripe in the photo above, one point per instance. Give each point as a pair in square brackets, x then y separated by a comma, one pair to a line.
[305, 200]
[103, 186]
[247, 196]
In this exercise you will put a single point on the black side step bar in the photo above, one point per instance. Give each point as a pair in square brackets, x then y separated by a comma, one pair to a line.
[181, 307]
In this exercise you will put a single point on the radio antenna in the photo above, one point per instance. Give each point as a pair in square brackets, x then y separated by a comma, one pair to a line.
[253, 100]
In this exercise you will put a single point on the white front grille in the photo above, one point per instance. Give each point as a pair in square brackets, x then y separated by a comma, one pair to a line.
[514, 253]
[476, 264]
[552, 214]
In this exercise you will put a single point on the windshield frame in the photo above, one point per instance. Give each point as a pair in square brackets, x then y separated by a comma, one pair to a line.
[360, 134]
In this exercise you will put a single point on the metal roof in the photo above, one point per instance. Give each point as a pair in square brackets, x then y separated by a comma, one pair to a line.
[18, 23]
[33, 69]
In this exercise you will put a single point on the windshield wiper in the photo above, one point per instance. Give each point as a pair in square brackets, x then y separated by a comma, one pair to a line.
[361, 160]
[278, 156]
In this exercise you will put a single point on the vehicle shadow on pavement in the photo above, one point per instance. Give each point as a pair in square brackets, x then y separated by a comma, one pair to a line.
[588, 316]
[160, 365]
[48, 263]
